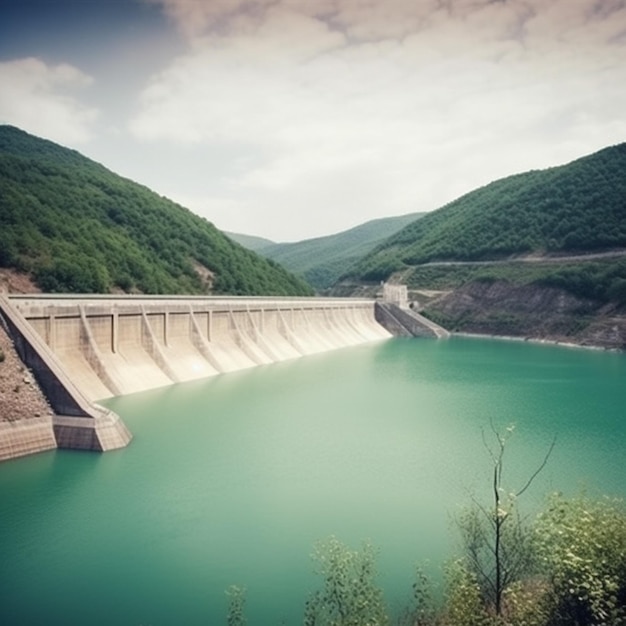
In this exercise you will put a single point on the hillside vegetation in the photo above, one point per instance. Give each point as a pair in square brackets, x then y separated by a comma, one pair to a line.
[538, 255]
[250, 241]
[571, 209]
[74, 226]
[321, 261]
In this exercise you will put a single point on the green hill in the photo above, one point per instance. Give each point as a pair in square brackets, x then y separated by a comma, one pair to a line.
[75, 226]
[537, 255]
[250, 241]
[322, 260]
[571, 209]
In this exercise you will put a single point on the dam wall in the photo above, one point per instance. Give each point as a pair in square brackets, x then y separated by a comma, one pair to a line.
[77, 421]
[111, 346]
[82, 349]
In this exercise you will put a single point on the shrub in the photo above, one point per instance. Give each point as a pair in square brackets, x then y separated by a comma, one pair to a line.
[582, 544]
[350, 596]
[236, 606]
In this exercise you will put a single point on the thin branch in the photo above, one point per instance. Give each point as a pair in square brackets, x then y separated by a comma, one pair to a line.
[496, 490]
[487, 514]
[543, 464]
[487, 446]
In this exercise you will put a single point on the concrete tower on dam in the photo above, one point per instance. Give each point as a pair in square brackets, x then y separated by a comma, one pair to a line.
[83, 349]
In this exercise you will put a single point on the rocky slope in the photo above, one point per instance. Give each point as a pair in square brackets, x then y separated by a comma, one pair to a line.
[530, 311]
[25, 416]
[20, 396]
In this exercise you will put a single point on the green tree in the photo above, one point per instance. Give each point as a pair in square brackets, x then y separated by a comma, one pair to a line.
[422, 610]
[464, 604]
[236, 606]
[497, 544]
[350, 596]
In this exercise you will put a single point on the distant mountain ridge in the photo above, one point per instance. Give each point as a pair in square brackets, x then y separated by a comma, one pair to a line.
[323, 259]
[540, 255]
[573, 208]
[250, 241]
[72, 225]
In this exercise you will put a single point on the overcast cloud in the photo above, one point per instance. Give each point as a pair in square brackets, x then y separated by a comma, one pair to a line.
[45, 99]
[296, 118]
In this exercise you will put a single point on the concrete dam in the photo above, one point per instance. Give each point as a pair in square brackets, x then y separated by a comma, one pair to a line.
[88, 348]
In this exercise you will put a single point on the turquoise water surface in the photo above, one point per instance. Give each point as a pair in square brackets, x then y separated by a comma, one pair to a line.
[232, 480]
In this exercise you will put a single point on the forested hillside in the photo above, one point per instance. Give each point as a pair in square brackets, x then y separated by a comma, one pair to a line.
[250, 241]
[322, 260]
[575, 208]
[74, 226]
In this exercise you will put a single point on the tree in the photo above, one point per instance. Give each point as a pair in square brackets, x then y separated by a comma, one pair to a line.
[350, 596]
[236, 604]
[464, 605]
[421, 611]
[498, 546]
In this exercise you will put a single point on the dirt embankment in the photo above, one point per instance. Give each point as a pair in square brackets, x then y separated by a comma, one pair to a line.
[16, 282]
[20, 396]
[530, 311]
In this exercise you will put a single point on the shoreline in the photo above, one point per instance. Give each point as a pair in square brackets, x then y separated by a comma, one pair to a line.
[549, 342]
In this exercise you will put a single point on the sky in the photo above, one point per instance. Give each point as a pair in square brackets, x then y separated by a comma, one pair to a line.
[293, 119]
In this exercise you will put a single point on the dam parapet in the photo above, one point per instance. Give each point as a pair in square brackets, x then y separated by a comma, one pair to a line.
[82, 349]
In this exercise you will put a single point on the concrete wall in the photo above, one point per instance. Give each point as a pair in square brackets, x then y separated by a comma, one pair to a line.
[77, 423]
[108, 346]
[81, 349]
[404, 322]
[26, 437]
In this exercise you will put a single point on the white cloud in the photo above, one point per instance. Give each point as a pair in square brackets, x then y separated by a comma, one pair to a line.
[34, 97]
[363, 108]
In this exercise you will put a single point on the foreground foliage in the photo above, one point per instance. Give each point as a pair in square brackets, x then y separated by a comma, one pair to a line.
[498, 551]
[77, 227]
[350, 596]
[582, 546]
[574, 574]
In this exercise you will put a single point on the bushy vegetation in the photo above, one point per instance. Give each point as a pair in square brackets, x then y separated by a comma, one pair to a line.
[77, 227]
[582, 546]
[600, 280]
[575, 208]
[350, 595]
[236, 606]
[574, 574]
[567, 567]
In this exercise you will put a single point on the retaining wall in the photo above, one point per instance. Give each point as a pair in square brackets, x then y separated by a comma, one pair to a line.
[404, 322]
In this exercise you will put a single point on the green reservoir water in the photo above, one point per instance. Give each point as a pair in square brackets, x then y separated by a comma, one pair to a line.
[232, 480]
